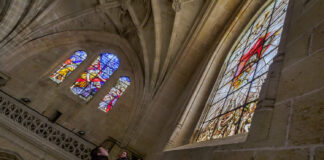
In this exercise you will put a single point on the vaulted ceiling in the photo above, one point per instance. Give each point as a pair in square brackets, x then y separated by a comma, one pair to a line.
[153, 29]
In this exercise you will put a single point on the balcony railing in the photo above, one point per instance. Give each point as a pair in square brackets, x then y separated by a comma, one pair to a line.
[31, 124]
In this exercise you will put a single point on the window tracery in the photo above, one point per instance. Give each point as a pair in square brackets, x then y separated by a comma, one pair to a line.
[234, 100]
[68, 66]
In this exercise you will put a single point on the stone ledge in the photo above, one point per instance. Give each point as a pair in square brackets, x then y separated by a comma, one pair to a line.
[217, 142]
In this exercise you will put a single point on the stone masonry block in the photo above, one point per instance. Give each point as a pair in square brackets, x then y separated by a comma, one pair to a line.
[319, 153]
[279, 123]
[302, 77]
[297, 50]
[317, 39]
[283, 155]
[304, 19]
[307, 120]
[234, 155]
[203, 154]
[260, 125]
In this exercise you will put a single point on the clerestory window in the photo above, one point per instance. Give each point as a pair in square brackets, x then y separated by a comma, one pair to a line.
[90, 81]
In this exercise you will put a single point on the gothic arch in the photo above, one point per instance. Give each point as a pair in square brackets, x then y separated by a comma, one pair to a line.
[93, 43]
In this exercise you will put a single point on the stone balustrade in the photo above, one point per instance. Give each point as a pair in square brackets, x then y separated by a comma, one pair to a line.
[24, 120]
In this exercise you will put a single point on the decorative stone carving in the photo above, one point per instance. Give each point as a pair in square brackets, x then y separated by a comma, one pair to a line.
[9, 155]
[176, 5]
[3, 79]
[36, 124]
[148, 10]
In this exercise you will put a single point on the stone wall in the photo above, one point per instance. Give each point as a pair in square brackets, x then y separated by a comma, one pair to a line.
[292, 126]
[21, 147]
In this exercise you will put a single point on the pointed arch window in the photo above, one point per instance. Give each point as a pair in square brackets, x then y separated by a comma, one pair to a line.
[245, 69]
[114, 94]
[95, 76]
[68, 66]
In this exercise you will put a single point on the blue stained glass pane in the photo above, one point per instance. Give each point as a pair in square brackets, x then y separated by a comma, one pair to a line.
[107, 72]
[110, 60]
[81, 54]
[125, 79]
[113, 65]
[76, 59]
[104, 58]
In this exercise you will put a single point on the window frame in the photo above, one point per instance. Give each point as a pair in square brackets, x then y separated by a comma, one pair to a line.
[92, 55]
[184, 135]
[224, 64]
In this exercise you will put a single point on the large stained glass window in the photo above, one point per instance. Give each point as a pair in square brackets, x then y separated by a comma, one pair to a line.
[95, 76]
[245, 69]
[114, 94]
[68, 66]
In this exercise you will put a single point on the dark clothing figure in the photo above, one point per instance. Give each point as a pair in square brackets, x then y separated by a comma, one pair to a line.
[123, 156]
[99, 153]
[100, 158]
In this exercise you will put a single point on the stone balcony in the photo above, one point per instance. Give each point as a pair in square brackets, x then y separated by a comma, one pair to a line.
[37, 129]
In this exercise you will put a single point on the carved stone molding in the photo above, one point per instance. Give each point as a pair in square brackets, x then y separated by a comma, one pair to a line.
[3, 79]
[29, 122]
[176, 5]
[9, 155]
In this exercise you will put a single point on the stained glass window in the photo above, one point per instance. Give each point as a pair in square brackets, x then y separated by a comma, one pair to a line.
[68, 66]
[114, 94]
[95, 76]
[245, 69]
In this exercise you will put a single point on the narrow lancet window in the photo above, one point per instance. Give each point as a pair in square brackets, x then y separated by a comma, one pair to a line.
[68, 66]
[114, 94]
[95, 76]
[245, 69]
